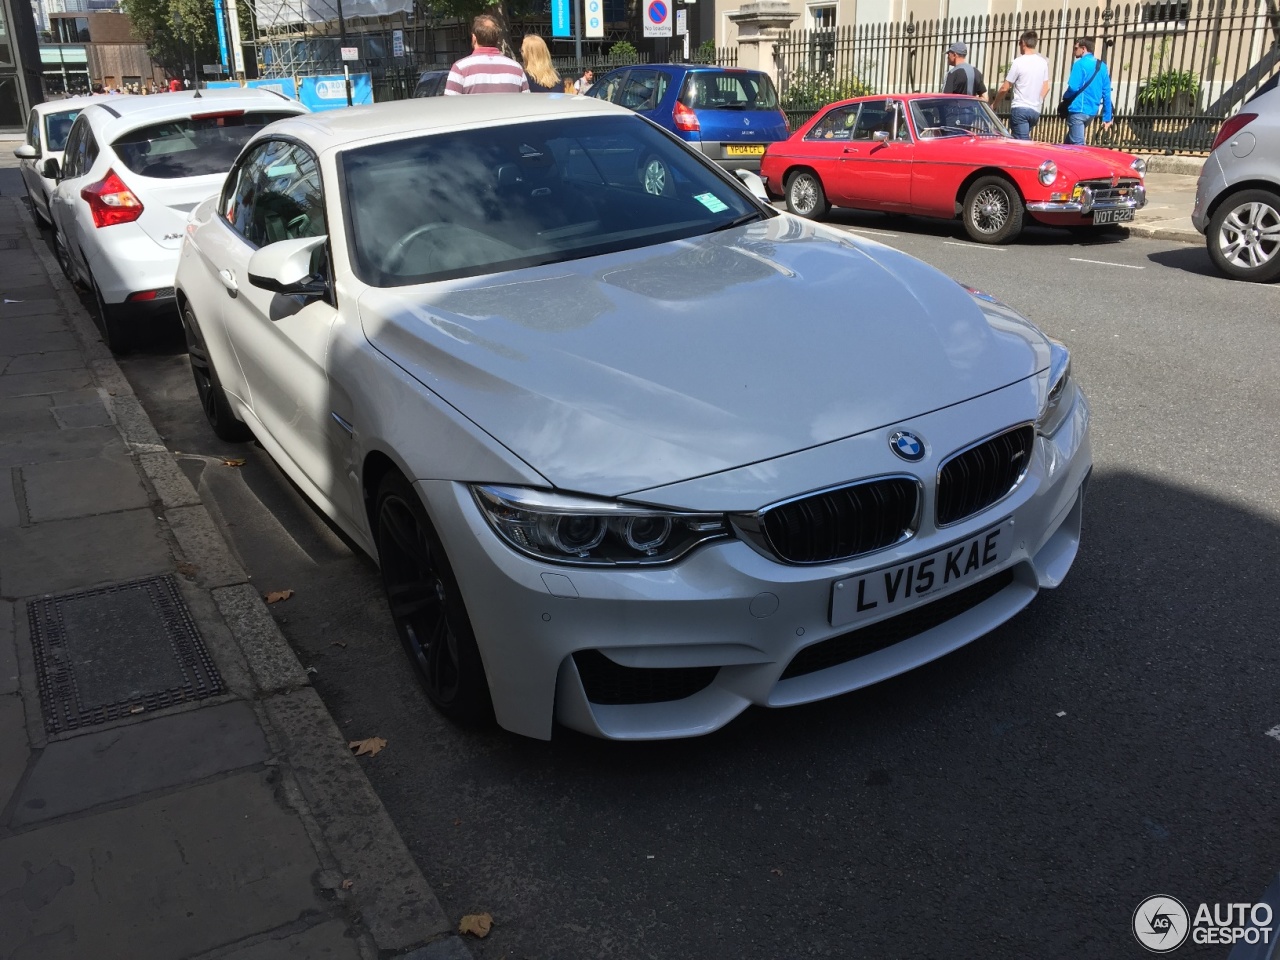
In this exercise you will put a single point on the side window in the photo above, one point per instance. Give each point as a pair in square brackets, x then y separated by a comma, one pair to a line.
[874, 117]
[33, 130]
[242, 187]
[89, 151]
[836, 125]
[904, 128]
[71, 156]
[279, 196]
[640, 90]
[611, 86]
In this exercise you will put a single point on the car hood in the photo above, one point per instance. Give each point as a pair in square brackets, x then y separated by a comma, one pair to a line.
[616, 373]
[1083, 162]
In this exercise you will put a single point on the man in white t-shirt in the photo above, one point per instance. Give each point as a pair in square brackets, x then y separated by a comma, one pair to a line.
[1029, 80]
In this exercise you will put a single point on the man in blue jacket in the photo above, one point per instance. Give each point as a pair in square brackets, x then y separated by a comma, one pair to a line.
[1090, 82]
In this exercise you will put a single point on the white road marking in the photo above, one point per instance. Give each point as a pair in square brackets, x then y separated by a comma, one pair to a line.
[1107, 263]
[975, 246]
[1274, 733]
[873, 233]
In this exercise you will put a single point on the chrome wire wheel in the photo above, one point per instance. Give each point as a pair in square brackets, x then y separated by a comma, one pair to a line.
[426, 606]
[990, 209]
[805, 196]
[1250, 235]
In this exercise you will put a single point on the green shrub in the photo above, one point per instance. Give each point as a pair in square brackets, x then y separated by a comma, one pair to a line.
[809, 90]
[623, 52]
[1164, 87]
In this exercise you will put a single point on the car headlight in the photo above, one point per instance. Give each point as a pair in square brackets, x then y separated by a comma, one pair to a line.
[1048, 172]
[580, 530]
[1062, 391]
[1140, 166]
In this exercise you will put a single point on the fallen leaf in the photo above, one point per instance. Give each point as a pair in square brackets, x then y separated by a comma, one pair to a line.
[370, 745]
[776, 872]
[348, 884]
[476, 924]
[275, 596]
[187, 569]
[338, 643]
[233, 462]
[138, 708]
[458, 820]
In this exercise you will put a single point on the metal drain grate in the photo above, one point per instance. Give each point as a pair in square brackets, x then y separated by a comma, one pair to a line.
[105, 653]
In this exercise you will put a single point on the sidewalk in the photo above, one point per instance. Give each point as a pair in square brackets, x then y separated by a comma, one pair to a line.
[170, 784]
[1170, 197]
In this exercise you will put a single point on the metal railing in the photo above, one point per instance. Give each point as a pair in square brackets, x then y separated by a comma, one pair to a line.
[1177, 69]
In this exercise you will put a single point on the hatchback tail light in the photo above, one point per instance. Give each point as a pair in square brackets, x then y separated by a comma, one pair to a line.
[685, 118]
[111, 202]
[1231, 127]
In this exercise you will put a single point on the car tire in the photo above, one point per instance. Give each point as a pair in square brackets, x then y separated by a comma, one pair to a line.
[63, 256]
[655, 177]
[427, 606]
[1244, 236]
[116, 333]
[805, 196]
[42, 222]
[213, 399]
[993, 210]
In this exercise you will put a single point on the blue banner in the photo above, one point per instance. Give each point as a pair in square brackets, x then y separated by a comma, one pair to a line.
[222, 84]
[330, 92]
[283, 86]
[560, 19]
[223, 50]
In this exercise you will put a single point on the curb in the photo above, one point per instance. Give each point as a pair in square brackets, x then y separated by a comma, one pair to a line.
[1157, 232]
[1163, 163]
[326, 786]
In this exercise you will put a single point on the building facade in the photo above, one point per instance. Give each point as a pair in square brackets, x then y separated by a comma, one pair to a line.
[19, 63]
[89, 47]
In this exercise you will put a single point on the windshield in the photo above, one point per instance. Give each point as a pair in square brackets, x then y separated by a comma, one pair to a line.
[473, 202]
[736, 90]
[955, 117]
[191, 146]
[57, 126]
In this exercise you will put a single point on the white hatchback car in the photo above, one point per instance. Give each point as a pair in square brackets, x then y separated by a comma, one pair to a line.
[47, 127]
[133, 169]
[631, 460]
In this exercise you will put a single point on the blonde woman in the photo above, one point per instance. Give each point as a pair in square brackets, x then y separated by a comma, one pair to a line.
[543, 77]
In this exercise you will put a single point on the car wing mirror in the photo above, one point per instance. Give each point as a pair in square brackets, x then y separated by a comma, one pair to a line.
[25, 151]
[881, 136]
[285, 267]
[51, 170]
[754, 184]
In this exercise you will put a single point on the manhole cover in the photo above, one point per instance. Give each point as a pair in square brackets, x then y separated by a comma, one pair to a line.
[105, 653]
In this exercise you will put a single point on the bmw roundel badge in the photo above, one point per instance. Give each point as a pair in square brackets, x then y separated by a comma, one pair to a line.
[907, 445]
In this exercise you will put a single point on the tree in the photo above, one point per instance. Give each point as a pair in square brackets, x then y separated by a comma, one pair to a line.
[178, 33]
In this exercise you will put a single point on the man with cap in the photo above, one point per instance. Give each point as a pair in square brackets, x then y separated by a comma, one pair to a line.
[963, 77]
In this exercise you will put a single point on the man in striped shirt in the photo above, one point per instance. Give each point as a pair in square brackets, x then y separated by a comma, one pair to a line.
[486, 70]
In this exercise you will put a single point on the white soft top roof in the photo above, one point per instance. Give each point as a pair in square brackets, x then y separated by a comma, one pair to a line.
[338, 128]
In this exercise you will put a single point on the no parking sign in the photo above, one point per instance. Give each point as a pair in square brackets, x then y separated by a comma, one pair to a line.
[657, 18]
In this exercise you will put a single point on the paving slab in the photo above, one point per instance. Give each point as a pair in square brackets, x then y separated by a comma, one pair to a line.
[16, 340]
[64, 555]
[327, 941]
[75, 444]
[52, 381]
[137, 758]
[27, 308]
[8, 650]
[41, 362]
[13, 750]
[70, 416]
[163, 879]
[81, 488]
[10, 512]
[27, 421]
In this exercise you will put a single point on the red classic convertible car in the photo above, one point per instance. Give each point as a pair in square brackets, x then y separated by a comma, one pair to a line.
[948, 156]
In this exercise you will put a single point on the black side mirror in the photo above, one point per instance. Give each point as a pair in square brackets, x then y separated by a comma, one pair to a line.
[313, 287]
[51, 170]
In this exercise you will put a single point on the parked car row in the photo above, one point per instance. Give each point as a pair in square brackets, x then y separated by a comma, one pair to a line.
[630, 446]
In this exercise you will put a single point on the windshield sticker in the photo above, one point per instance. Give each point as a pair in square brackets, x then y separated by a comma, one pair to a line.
[712, 202]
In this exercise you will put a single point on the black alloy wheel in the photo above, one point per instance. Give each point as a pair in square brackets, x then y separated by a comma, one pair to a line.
[115, 332]
[427, 606]
[63, 255]
[213, 399]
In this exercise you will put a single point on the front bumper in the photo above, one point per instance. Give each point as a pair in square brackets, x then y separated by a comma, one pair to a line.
[1136, 200]
[732, 616]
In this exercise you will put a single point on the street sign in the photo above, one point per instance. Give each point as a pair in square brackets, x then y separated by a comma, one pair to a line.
[350, 53]
[657, 18]
[397, 43]
[213, 68]
[682, 20]
[594, 20]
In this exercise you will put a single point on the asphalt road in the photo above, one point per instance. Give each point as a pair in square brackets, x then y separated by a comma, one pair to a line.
[1017, 799]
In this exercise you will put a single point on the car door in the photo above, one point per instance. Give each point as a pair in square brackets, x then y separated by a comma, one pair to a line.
[281, 342]
[827, 148]
[31, 168]
[880, 168]
[67, 195]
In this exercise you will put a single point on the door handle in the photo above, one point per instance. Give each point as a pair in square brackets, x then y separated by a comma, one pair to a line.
[850, 149]
[229, 281]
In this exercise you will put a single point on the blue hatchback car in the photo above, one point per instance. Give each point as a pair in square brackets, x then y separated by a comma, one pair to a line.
[730, 115]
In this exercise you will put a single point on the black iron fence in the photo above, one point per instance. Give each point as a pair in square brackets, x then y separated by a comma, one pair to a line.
[1177, 69]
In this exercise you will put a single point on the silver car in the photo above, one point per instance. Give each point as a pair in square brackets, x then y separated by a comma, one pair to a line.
[632, 459]
[1238, 196]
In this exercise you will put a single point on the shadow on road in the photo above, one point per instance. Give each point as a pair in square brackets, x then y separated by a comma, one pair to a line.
[1192, 259]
